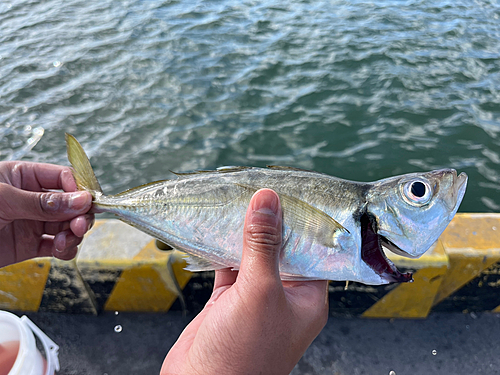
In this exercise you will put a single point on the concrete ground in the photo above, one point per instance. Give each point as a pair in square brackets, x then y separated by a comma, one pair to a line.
[444, 343]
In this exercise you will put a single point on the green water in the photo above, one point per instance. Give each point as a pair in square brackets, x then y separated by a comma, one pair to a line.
[357, 90]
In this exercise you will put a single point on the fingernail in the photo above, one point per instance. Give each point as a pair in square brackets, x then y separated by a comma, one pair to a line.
[60, 243]
[77, 200]
[266, 202]
[265, 207]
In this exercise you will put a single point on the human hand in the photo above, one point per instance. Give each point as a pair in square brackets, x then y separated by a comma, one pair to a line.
[35, 222]
[254, 323]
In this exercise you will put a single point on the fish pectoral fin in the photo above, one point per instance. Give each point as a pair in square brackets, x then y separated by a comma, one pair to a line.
[304, 218]
[308, 219]
[197, 264]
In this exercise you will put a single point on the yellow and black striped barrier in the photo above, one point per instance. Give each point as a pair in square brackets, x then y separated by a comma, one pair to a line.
[472, 281]
[119, 268]
[408, 300]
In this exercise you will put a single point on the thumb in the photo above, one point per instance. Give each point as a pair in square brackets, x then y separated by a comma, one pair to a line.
[48, 206]
[262, 237]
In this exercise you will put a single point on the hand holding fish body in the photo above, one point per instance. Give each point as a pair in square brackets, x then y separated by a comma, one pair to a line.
[333, 229]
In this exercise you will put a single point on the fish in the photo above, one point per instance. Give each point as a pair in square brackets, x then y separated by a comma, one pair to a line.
[333, 229]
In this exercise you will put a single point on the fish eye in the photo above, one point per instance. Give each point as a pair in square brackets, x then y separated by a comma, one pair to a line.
[417, 192]
[418, 189]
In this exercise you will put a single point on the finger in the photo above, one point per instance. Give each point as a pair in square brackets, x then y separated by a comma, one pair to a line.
[65, 241]
[21, 204]
[79, 225]
[224, 277]
[36, 176]
[51, 176]
[54, 227]
[82, 224]
[262, 237]
[68, 181]
[314, 292]
[189, 334]
[46, 246]
[67, 254]
[48, 249]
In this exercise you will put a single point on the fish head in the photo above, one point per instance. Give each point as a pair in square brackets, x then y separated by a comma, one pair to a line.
[411, 211]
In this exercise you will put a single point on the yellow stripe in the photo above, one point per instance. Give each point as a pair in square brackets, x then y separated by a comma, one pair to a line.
[413, 300]
[475, 232]
[463, 269]
[22, 284]
[472, 242]
[147, 285]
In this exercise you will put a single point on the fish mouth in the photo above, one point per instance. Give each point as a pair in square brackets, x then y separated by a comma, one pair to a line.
[457, 191]
[373, 255]
[455, 185]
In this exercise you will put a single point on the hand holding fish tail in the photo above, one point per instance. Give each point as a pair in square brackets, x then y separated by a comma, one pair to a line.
[254, 323]
[35, 220]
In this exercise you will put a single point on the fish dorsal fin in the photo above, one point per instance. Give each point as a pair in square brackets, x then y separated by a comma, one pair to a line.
[140, 187]
[285, 168]
[305, 218]
[197, 264]
[183, 174]
[228, 169]
[293, 277]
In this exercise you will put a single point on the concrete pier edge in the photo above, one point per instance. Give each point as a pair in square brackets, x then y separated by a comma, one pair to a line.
[119, 268]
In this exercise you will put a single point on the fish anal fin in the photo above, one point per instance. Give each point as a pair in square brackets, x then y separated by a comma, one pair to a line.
[197, 264]
[292, 277]
[163, 245]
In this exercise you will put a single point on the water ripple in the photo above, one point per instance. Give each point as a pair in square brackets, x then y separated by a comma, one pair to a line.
[358, 90]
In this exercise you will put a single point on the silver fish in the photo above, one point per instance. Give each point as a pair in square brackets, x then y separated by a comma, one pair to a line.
[333, 229]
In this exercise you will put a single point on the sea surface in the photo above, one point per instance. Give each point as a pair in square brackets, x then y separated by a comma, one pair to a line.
[359, 90]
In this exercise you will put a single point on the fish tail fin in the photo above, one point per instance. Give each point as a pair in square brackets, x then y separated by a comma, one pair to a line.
[82, 170]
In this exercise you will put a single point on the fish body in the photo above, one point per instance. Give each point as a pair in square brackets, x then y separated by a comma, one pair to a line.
[333, 229]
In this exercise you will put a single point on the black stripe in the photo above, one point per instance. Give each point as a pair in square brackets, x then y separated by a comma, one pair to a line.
[197, 292]
[356, 299]
[65, 291]
[101, 283]
[480, 294]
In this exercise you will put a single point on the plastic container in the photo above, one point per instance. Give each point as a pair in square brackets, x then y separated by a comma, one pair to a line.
[18, 348]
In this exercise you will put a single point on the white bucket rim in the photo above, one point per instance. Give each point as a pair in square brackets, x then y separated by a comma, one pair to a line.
[24, 338]
[50, 347]
[27, 332]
